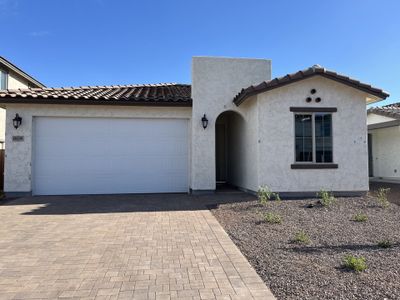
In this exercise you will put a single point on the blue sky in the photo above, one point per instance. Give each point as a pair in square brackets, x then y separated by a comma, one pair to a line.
[103, 42]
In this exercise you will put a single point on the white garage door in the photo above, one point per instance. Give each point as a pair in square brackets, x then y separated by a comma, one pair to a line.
[109, 156]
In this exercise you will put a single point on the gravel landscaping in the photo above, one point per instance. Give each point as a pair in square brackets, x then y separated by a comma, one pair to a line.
[394, 193]
[315, 270]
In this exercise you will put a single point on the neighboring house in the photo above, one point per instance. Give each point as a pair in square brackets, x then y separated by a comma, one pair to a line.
[11, 77]
[384, 142]
[297, 134]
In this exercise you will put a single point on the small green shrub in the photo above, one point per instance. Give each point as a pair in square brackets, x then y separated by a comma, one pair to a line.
[327, 198]
[264, 195]
[385, 244]
[381, 196]
[354, 263]
[360, 217]
[272, 218]
[301, 237]
[277, 197]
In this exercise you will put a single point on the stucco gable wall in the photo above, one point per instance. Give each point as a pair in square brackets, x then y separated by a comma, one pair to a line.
[14, 82]
[276, 125]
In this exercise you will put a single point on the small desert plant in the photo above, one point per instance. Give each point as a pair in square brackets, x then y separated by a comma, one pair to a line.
[272, 218]
[381, 196]
[354, 263]
[359, 217]
[327, 198]
[277, 197]
[385, 244]
[264, 194]
[301, 237]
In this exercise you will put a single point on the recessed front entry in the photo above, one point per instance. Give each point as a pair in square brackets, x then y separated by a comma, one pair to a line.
[370, 157]
[221, 157]
[109, 156]
[229, 144]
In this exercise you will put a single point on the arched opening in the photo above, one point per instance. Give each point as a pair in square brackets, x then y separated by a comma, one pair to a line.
[229, 127]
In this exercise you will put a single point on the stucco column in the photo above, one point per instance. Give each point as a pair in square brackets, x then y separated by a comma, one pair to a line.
[215, 82]
[17, 166]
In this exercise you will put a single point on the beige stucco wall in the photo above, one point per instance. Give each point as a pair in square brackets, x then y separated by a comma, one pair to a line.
[243, 147]
[385, 152]
[215, 82]
[19, 154]
[14, 82]
[276, 130]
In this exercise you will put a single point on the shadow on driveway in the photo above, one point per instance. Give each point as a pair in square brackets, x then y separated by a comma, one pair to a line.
[87, 204]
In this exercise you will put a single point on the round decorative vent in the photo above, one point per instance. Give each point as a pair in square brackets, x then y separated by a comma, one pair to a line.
[308, 99]
[318, 99]
[313, 91]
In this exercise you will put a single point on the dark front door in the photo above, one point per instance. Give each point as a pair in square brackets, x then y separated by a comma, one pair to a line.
[370, 157]
[220, 153]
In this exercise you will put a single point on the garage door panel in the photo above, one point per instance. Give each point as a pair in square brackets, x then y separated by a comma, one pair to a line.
[94, 155]
[114, 167]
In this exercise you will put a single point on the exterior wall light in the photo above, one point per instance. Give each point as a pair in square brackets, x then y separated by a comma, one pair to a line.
[204, 121]
[17, 121]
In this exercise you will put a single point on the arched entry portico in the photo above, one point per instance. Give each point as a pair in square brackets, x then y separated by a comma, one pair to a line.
[229, 127]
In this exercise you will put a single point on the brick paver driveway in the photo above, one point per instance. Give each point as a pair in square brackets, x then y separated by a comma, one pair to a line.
[120, 247]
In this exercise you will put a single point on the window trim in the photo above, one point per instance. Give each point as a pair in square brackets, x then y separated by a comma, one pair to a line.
[313, 109]
[305, 166]
[314, 164]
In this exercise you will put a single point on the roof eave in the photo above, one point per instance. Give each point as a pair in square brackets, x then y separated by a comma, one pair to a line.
[373, 99]
[21, 73]
[379, 95]
[378, 111]
[187, 103]
[251, 91]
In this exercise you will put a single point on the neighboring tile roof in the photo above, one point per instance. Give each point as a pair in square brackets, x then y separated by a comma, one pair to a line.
[146, 94]
[312, 71]
[14, 68]
[391, 110]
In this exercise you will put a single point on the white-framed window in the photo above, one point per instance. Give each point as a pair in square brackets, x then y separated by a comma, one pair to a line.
[313, 137]
[3, 79]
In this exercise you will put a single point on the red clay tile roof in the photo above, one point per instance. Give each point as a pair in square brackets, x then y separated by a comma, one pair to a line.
[314, 70]
[391, 110]
[162, 94]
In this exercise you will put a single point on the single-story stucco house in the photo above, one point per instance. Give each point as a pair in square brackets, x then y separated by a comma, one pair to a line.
[12, 77]
[384, 142]
[296, 134]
